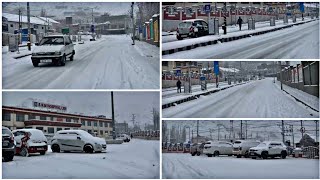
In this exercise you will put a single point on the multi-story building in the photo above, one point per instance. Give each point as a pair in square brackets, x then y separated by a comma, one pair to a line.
[52, 121]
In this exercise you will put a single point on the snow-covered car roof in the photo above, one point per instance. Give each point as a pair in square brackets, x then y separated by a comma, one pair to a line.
[74, 130]
[35, 133]
[268, 142]
[192, 20]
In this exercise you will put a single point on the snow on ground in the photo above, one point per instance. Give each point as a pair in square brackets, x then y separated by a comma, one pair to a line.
[169, 37]
[108, 63]
[138, 159]
[309, 99]
[258, 99]
[185, 166]
[297, 42]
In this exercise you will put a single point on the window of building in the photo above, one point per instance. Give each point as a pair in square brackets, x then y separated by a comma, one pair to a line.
[100, 123]
[51, 118]
[105, 124]
[88, 123]
[40, 128]
[31, 117]
[89, 131]
[83, 123]
[66, 128]
[6, 116]
[43, 118]
[50, 130]
[101, 132]
[95, 123]
[106, 132]
[68, 120]
[42, 27]
[76, 121]
[59, 129]
[20, 117]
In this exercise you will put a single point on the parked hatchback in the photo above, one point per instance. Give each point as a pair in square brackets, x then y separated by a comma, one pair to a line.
[8, 144]
[53, 49]
[77, 140]
[241, 147]
[192, 28]
[217, 148]
[124, 137]
[30, 141]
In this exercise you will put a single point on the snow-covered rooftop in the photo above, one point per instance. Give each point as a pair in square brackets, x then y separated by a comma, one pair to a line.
[24, 19]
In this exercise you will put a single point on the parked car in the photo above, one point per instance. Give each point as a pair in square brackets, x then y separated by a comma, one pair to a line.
[217, 148]
[269, 149]
[241, 147]
[124, 137]
[197, 149]
[8, 144]
[30, 141]
[192, 28]
[53, 49]
[77, 140]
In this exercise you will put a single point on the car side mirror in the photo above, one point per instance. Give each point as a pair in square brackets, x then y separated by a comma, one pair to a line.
[37, 44]
[79, 138]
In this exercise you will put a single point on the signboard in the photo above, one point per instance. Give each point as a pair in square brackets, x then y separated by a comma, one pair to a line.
[207, 8]
[302, 130]
[301, 7]
[178, 72]
[13, 43]
[216, 67]
[65, 30]
[202, 78]
[48, 106]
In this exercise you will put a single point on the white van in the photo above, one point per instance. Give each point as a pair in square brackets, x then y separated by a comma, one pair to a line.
[77, 140]
[241, 147]
[217, 148]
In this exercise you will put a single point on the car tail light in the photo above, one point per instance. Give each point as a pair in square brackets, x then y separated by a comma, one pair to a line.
[191, 29]
[177, 30]
[11, 139]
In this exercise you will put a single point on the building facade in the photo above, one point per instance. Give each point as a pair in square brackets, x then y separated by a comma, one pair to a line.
[51, 122]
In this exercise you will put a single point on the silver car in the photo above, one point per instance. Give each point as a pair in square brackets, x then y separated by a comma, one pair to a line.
[77, 140]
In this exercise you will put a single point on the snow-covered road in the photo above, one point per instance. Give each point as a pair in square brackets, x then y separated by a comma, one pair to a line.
[185, 166]
[108, 63]
[257, 99]
[297, 42]
[138, 159]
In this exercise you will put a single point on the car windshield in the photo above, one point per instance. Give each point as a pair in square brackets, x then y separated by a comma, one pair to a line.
[237, 142]
[6, 131]
[262, 145]
[51, 41]
[184, 24]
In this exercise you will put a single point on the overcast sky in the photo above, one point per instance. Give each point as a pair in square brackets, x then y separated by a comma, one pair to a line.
[93, 103]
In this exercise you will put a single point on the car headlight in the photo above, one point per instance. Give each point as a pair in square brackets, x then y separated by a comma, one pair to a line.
[57, 53]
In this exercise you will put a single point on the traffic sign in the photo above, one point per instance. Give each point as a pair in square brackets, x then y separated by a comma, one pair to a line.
[301, 5]
[207, 8]
[178, 72]
[216, 67]
[202, 78]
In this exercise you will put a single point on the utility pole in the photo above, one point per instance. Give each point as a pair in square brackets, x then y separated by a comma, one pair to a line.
[225, 17]
[190, 91]
[301, 129]
[133, 28]
[274, 72]
[192, 137]
[282, 123]
[246, 129]
[218, 132]
[317, 130]
[29, 33]
[133, 119]
[197, 130]
[292, 133]
[113, 123]
[280, 74]
[241, 129]
[19, 27]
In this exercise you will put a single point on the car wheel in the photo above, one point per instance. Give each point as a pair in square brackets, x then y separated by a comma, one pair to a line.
[231, 155]
[209, 155]
[8, 157]
[254, 157]
[193, 154]
[179, 37]
[283, 154]
[71, 57]
[216, 153]
[198, 153]
[88, 149]
[24, 152]
[35, 63]
[238, 156]
[55, 148]
[246, 155]
[42, 152]
[264, 155]
[63, 60]
[195, 35]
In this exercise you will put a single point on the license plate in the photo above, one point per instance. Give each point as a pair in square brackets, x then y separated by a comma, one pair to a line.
[252, 154]
[184, 35]
[40, 149]
[5, 143]
[46, 61]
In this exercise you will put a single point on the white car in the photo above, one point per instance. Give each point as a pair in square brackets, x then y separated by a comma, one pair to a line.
[53, 49]
[217, 148]
[269, 149]
[77, 140]
[124, 137]
[241, 147]
[37, 142]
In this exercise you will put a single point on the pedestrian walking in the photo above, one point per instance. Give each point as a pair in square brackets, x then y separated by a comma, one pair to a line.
[240, 22]
[178, 86]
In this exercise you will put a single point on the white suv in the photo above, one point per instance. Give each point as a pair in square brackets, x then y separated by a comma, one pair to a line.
[241, 147]
[217, 148]
[77, 140]
[124, 137]
[53, 49]
[269, 149]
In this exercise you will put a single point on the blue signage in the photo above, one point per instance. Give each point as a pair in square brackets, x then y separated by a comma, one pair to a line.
[301, 5]
[178, 72]
[216, 67]
[207, 8]
[202, 78]
[92, 28]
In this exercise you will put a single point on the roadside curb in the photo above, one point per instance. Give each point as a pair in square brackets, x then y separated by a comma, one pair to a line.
[169, 34]
[301, 101]
[22, 55]
[190, 98]
[228, 39]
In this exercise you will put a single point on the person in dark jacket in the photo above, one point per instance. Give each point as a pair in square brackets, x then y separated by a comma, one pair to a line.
[178, 86]
[240, 22]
